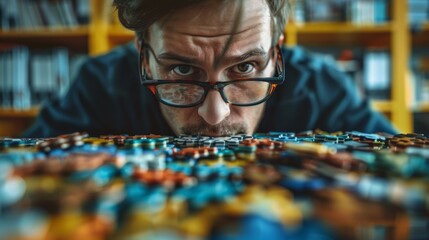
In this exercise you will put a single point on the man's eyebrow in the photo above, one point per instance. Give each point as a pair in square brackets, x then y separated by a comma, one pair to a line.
[191, 60]
[256, 52]
[177, 57]
[248, 54]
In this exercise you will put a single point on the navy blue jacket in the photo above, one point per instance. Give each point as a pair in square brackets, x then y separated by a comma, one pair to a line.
[107, 98]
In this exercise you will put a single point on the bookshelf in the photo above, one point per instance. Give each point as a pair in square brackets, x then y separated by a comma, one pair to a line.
[392, 35]
[42, 36]
[103, 32]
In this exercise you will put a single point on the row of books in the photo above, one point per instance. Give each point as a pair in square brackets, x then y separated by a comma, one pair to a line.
[418, 11]
[33, 14]
[371, 72]
[27, 78]
[355, 11]
[369, 69]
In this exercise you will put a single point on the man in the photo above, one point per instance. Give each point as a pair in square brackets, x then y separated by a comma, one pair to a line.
[209, 67]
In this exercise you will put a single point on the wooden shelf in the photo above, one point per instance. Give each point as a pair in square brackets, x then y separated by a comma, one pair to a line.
[120, 32]
[423, 107]
[13, 123]
[11, 113]
[328, 28]
[44, 32]
[73, 38]
[344, 34]
[421, 37]
[120, 35]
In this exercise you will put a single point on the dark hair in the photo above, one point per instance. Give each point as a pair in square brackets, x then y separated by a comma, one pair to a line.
[139, 15]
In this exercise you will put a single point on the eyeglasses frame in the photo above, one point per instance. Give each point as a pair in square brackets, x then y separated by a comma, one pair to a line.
[218, 86]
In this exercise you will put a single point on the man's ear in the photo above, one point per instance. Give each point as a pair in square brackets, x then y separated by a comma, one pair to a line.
[137, 44]
[281, 40]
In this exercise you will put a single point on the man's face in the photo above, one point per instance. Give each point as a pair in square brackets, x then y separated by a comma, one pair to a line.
[189, 44]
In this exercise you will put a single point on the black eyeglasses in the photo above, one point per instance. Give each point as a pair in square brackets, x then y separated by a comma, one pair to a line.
[190, 93]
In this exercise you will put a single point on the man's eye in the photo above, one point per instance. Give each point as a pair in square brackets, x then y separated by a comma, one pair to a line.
[244, 68]
[183, 70]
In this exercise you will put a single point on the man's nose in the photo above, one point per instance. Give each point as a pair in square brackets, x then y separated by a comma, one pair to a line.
[214, 109]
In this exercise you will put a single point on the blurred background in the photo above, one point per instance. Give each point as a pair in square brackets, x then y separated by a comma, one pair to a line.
[382, 44]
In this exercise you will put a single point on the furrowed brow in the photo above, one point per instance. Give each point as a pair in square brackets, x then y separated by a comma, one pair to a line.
[257, 52]
[230, 60]
[249, 54]
[176, 57]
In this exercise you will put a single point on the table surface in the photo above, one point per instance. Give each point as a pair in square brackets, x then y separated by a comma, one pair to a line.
[344, 185]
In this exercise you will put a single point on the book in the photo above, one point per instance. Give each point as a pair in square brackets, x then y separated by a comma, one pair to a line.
[21, 92]
[10, 15]
[2, 9]
[33, 14]
[299, 11]
[50, 19]
[355, 11]
[419, 64]
[376, 72]
[38, 19]
[69, 13]
[82, 11]
[29, 78]
[418, 12]
[325, 10]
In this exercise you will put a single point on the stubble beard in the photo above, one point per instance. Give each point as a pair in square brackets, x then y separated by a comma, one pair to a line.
[202, 128]
[222, 129]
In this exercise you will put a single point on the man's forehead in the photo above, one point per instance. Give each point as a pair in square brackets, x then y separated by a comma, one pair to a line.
[215, 17]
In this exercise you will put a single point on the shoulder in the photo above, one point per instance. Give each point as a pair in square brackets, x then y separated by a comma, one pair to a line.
[120, 56]
[299, 59]
[117, 68]
[300, 56]
[310, 71]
